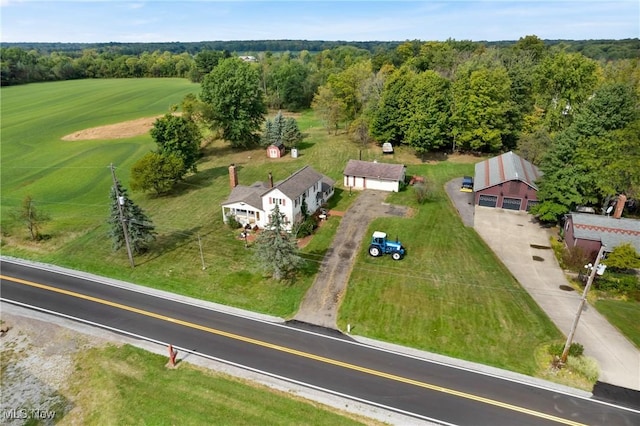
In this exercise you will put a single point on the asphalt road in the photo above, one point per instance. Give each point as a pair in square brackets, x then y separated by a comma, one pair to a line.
[410, 385]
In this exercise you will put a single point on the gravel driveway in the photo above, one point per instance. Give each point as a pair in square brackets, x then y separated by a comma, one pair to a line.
[321, 303]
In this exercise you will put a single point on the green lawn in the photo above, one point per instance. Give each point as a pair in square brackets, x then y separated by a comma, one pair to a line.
[625, 315]
[449, 295]
[127, 385]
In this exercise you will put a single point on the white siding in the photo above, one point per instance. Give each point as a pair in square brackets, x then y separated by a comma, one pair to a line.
[370, 183]
[285, 204]
[245, 214]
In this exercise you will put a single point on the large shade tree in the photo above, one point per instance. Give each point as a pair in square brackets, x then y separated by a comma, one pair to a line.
[482, 105]
[428, 126]
[235, 100]
[180, 136]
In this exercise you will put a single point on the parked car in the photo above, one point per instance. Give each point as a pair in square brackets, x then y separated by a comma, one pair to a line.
[467, 184]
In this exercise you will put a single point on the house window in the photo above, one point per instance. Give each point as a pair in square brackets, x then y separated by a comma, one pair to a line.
[278, 201]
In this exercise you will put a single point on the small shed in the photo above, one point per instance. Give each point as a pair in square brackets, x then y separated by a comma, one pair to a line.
[387, 148]
[276, 150]
[373, 175]
[506, 181]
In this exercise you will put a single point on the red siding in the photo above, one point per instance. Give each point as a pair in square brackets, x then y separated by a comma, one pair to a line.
[511, 189]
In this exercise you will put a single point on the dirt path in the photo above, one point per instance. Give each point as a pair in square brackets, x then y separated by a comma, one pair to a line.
[321, 303]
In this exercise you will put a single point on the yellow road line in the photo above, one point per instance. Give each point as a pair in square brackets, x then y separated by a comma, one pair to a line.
[298, 353]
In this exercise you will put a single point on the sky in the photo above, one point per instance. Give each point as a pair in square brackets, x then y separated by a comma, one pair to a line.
[94, 21]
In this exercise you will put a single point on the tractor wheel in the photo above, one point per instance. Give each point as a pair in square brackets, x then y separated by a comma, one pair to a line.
[374, 251]
[396, 255]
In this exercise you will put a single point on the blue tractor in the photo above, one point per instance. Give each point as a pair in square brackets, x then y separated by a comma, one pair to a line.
[380, 245]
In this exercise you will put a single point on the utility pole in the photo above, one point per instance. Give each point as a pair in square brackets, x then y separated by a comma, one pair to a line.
[120, 202]
[592, 276]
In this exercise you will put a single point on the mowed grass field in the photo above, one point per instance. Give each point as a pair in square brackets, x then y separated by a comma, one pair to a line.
[449, 295]
[127, 385]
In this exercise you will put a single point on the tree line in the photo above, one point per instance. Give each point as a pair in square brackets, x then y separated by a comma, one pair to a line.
[560, 109]
[22, 63]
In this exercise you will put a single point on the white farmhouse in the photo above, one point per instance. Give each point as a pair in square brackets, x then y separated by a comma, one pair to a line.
[252, 205]
[373, 175]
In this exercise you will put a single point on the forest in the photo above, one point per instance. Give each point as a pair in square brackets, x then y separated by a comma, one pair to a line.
[570, 107]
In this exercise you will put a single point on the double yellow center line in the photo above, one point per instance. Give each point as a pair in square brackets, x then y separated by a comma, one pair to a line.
[296, 352]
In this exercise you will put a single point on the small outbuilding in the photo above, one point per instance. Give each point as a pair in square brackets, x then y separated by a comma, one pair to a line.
[276, 150]
[373, 175]
[506, 181]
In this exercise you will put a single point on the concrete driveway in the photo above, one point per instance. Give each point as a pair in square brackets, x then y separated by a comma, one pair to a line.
[523, 246]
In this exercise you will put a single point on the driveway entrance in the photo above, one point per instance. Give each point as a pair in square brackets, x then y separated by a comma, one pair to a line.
[523, 246]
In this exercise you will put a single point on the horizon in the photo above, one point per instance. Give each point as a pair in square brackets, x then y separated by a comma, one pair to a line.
[97, 22]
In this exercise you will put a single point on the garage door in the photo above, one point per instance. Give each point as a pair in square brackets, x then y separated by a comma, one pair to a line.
[488, 200]
[511, 203]
[531, 203]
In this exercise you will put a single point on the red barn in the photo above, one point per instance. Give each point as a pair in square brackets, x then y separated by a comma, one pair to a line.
[506, 181]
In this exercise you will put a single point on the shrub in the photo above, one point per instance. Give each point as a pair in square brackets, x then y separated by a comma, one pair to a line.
[558, 249]
[623, 257]
[306, 227]
[584, 366]
[617, 283]
[575, 258]
[232, 222]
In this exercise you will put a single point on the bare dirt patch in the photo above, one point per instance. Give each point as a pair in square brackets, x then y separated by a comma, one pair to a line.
[125, 129]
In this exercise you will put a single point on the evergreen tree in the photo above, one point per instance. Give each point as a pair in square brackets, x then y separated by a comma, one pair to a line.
[291, 134]
[140, 229]
[281, 130]
[276, 249]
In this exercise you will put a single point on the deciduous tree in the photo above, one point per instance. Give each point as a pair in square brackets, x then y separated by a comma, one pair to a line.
[180, 136]
[428, 126]
[482, 103]
[237, 108]
[156, 172]
[563, 82]
[31, 216]
[330, 109]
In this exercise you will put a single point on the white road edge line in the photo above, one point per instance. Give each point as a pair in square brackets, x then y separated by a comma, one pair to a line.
[244, 367]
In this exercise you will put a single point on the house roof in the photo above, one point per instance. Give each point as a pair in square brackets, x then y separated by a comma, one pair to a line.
[278, 144]
[293, 187]
[369, 169]
[327, 183]
[505, 168]
[296, 184]
[251, 195]
[609, 231]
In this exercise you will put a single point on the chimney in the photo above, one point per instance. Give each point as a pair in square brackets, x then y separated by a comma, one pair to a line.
[270, 180]
[233, 176]
[617, 213]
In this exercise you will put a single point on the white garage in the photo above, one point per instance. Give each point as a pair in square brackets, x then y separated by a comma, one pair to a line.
[373, 175]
